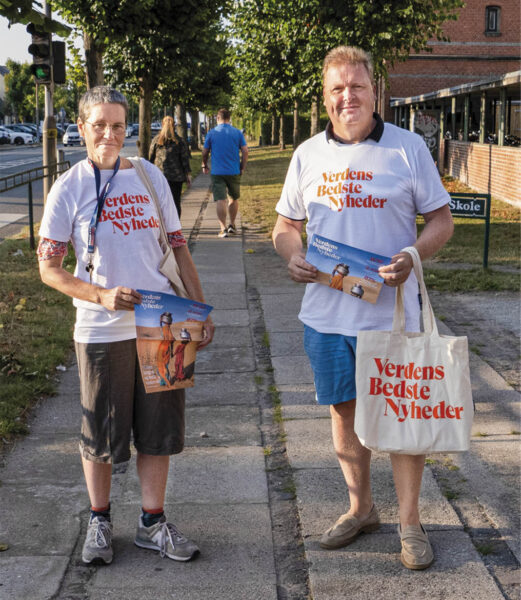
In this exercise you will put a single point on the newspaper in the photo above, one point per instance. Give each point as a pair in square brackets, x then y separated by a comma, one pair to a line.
[346, 268]
[169, 329]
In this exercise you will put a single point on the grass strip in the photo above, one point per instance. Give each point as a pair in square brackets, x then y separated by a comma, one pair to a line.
[35, 334]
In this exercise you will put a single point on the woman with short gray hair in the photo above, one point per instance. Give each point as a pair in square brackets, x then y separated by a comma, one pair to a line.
[102, 206]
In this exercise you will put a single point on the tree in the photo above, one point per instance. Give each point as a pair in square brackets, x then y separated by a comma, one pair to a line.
[169, 38]
[20, 91]
[22, 11]
[102, 23]
[304, 31]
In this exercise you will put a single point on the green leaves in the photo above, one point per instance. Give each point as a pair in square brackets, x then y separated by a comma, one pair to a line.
[282, 44]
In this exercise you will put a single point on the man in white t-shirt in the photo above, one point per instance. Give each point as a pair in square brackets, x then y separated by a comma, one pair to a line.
[360, 182]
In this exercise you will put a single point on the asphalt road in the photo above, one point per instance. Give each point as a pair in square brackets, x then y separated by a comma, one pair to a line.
[14, 204]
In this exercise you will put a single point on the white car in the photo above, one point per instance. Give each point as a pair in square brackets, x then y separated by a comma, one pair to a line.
[129, 130]
[18, 137]
[72, 137]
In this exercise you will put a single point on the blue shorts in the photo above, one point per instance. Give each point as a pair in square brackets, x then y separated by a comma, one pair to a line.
[332, 357]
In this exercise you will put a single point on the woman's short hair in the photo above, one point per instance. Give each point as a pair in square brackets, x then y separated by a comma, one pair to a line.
[101, 94]
[351, 55]
[167, 131]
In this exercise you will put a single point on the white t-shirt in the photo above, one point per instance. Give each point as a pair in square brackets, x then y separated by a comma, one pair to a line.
[127, 248]
[365, 195]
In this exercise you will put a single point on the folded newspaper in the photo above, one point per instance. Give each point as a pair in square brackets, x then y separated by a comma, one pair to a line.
[168, 328]
[346, 268]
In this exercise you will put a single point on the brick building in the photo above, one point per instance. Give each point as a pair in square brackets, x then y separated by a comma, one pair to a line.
[484, 43]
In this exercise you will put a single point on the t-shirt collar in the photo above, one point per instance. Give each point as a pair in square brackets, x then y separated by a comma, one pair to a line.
[376, 132]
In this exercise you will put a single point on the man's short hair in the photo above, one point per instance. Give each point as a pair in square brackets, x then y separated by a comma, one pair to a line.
[348, 54]
[101, 94]
[224, 114]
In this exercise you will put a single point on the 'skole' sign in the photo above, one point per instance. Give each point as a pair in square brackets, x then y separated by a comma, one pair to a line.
[468, 206]
[474, 206]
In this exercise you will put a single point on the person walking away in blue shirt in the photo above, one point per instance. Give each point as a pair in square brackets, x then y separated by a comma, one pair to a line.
[229, 157]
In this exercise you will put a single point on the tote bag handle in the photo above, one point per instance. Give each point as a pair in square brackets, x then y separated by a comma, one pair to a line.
[429, 321]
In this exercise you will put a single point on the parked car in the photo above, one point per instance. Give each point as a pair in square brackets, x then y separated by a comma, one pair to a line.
[4, 138]
[72, 137]
[129, 131]
[135, 129]
[33, 128]
[155, 128]
[18, 137]
[19, 127]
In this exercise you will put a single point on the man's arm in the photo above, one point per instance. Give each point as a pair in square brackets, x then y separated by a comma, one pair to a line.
[287, 240]
[193, 287]
[244, 157]
[438, 230]
[206, 155]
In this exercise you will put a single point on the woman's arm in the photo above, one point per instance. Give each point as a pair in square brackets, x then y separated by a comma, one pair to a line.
[193, 287]
[54, 275]
[152, 151]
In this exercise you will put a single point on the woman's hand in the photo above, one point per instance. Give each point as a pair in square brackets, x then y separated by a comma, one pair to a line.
[119, 298]
[208, 331]
[188, 180]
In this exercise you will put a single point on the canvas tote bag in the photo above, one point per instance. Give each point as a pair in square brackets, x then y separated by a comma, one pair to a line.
[168, 265]
[413, 389]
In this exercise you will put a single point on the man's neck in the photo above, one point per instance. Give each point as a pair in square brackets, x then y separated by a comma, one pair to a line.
[353, 134]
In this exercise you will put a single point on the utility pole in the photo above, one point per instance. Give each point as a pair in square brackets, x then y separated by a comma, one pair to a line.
[50, 133]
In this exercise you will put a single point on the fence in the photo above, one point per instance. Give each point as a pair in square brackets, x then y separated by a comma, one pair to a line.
[10, 182]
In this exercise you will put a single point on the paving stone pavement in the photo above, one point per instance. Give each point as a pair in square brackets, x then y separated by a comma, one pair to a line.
[256, 492]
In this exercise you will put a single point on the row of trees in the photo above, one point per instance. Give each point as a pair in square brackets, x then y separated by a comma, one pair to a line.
[170, 50]
[268, 53]
[280, 45]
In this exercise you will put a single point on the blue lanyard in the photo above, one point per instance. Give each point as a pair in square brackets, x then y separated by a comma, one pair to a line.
[97, 211]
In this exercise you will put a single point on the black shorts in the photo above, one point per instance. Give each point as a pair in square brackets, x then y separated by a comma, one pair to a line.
[115, 406]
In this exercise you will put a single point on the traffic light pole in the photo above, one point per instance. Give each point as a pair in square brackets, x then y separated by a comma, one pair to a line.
[50, 133]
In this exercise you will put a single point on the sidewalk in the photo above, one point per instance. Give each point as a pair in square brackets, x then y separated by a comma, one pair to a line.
[223, 489]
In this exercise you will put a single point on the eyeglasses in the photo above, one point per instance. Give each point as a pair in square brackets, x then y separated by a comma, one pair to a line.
[101, 127]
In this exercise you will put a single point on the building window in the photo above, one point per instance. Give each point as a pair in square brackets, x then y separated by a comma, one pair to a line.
[492, 14]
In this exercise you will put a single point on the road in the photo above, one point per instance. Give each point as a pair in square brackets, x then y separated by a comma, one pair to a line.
[14, 211]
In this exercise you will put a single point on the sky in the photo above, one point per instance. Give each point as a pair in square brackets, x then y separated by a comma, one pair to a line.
[14, 42]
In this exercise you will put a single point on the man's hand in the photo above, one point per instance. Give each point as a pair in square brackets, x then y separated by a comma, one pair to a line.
[398, 271]
[300, 270]
[119, 298]
[188, 180]
[208, 331]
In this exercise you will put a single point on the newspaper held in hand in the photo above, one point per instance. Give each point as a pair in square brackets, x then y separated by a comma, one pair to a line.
[346, 268]
[168, 330]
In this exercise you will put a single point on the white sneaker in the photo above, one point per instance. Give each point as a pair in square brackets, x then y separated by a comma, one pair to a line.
[223, 234]
[166, 538]
[98, 542]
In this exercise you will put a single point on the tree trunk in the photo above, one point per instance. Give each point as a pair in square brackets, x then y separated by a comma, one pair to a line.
[380, 97]
[145, 116]
[180, 117]
[195, 130]
[94, 61]
[296, 128]
[274, 131]
[315, 114]
[282, 143]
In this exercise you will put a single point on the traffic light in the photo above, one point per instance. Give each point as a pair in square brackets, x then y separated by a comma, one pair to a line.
[41, 51]
[58, 62]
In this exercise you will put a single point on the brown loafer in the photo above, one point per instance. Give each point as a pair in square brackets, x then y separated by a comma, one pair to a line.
[348, 528]
[417, 552]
